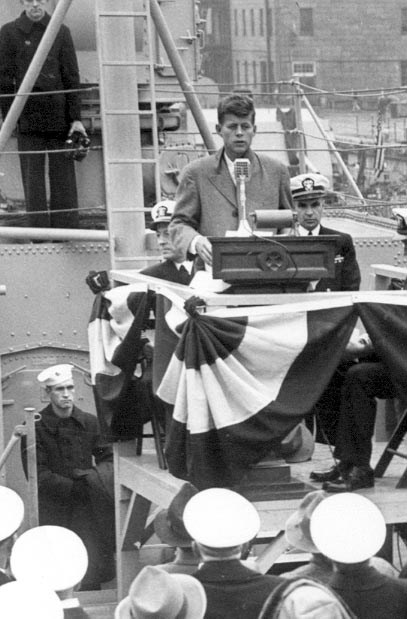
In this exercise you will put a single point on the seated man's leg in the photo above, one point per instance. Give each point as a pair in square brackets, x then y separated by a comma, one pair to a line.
[363, 383]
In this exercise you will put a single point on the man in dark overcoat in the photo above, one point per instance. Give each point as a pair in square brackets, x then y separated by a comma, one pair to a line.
[46, 120]
[75, 473]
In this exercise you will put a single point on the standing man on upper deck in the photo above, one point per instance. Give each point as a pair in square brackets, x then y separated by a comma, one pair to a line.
[46, 120]
[207, 203]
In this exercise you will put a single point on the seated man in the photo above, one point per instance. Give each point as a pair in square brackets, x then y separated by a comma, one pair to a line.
[363, 383]
[308, 192]
[174, 267]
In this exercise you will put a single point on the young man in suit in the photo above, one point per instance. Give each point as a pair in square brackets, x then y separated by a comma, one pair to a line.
[207, 203]
[308, 193]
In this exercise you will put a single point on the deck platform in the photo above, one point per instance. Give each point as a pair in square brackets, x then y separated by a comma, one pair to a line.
[142, 488]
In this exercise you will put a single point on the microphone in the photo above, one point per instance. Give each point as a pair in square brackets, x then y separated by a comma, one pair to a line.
[242, 175]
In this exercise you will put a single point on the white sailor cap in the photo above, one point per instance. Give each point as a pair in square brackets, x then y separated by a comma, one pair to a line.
[11, 512]
[348, 528]
[24, 599]
[221, 518]
[308, 186]
[55, 375]
[162, 212]
[49, 554]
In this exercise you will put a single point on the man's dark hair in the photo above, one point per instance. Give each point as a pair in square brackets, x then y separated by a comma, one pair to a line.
[237, 104]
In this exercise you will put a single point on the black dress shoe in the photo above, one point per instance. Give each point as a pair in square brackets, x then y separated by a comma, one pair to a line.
[358, 478]
[335, 473]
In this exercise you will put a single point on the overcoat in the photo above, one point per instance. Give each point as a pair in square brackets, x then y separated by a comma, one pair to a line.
[19, 41]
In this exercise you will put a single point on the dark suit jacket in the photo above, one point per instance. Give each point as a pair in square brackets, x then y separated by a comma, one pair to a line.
[234, 591]
[207, 202]
[370, 594]
[165, 340]
[168, 271]
[347, 272]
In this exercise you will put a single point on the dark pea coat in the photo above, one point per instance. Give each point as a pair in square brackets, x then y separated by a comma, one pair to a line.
[370, 594]
[233, 590]
[19, 41]
[207, 201]
[72, 491]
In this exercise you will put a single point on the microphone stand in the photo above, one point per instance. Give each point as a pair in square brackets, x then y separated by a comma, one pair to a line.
[244, 228]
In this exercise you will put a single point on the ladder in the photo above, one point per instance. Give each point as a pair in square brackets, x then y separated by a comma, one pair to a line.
[125, 51]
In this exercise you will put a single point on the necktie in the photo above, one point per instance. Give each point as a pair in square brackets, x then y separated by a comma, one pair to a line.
[310, 233]
[184, 275]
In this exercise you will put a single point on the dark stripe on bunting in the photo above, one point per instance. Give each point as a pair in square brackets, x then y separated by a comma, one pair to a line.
[387, 326]
[328, 333]
[205, 339]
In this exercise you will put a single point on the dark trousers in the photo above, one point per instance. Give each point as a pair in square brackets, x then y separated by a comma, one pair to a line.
[62, 182]
[364, 382]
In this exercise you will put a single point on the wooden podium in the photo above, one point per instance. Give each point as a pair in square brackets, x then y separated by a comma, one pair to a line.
[279, 263]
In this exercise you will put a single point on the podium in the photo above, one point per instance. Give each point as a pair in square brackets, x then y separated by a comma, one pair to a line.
[275, 263]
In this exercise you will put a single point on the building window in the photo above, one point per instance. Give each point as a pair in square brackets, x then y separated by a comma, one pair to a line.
[237, 72]
[404, 20]
[403, 72]
[306, 22]
[303, 68]
[246, 73]
[236, 18]
[261, 22]
[254, 73]
[244, 33]
[252, 26]
[269, 22]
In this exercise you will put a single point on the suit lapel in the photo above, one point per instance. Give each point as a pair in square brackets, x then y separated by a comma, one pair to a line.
[222, 181]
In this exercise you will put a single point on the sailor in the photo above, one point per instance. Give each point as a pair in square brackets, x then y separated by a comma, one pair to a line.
[11, 518]
[223, 523]
[56, 557]
[349, 529]
[75, 473]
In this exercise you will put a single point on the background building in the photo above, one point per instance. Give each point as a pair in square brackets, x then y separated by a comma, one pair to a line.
[352, 44]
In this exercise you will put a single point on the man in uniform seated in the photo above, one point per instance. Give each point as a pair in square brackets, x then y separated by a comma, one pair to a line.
[363, 383]
[174, 267]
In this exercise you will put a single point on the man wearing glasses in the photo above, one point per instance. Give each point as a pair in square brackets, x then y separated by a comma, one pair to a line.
[46, 120]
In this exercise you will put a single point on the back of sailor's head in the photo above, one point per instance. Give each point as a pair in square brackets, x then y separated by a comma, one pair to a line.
[11, 512]
[51, 555]
[221, 519]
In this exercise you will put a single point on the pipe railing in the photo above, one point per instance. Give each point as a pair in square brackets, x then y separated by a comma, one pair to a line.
[53, 234]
